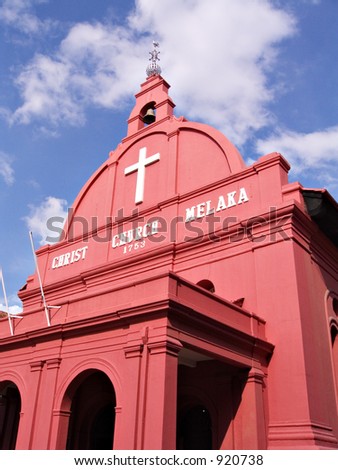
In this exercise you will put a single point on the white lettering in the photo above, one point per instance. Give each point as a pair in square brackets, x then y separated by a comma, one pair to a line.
[66, 259]
[221, 204]
[145, 231]
[77, 255]
[154, 227]
[84, 250]
[136, 234]
[209, 210]
[205, 208]
[200, 210]
[231, 199]
[243, 197]
[190, 214]
[69, 258]
[115, 241]
[123, 238]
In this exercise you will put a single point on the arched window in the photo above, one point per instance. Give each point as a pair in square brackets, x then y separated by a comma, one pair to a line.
[10, 407]
[335, 305]
[207, 285]
[331, 306]
[334, 341]
[333, 332]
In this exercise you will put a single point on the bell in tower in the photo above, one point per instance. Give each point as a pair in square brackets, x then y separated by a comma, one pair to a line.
[149, 116]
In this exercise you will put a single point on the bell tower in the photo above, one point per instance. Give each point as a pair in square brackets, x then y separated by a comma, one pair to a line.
[153, 103]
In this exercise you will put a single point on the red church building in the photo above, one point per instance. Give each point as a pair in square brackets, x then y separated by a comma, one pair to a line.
[194, 303]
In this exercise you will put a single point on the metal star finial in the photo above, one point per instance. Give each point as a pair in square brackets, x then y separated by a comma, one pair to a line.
[153, 68]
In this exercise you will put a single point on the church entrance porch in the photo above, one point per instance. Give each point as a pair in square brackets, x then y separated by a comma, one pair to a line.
[209, 405]
[219, 405]
[216, 355]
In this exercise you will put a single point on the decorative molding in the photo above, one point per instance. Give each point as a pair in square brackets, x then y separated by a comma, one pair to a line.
[301, 433]
[37, 366]
[133, 350]
[54, 363]
[170, 346]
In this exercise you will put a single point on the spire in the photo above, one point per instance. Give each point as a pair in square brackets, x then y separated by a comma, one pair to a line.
[153, 68]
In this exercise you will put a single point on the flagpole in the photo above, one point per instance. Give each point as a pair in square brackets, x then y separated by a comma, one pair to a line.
[6, 303]
[10, 316]
[45, 306]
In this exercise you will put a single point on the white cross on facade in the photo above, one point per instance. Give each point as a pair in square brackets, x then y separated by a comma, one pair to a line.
[140, 167]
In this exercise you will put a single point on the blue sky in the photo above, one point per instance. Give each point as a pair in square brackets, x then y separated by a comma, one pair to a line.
[264, 72]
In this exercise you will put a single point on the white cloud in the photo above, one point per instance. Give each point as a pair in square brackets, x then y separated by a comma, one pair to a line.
[12, 308]
[19, 14]
[216, 53]
[218, 57]
[315, 151]
[46, 219]
[6, 170]
[44, 85]
[90, 69]
[5, 113]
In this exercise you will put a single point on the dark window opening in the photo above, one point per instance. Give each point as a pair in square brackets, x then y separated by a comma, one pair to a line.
[194, 430]
[10, 407]
[92, 419]
[207, 285]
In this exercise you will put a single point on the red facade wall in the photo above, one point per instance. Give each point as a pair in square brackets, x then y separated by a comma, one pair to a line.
[251, 360]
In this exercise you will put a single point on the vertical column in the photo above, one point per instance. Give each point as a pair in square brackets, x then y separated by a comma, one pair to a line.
[29, 408]
[121, 440]
[250, 433]
[129, 431]
[59, 429]
[126, 426]
[41, 439]
[161, 394]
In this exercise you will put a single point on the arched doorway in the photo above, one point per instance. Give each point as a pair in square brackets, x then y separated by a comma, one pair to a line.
[92, 418]
[334, 341]
[194, 430]
[10, 407]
